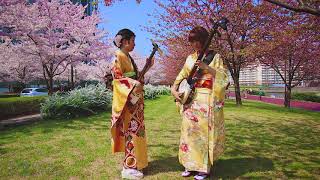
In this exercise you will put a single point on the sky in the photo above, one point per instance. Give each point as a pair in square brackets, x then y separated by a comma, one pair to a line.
[129, 14]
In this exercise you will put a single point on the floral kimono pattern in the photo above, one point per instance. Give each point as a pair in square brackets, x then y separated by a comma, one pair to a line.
[202, 129]
[127, 128]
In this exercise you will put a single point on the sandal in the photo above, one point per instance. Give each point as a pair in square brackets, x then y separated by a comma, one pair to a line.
[131, 174]
[201, 176]
[186, 173]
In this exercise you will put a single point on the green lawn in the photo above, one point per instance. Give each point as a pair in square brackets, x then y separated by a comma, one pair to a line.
[263, 142]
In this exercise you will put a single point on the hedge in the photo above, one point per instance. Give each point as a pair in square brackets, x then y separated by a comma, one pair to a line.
[19, 106]
[313, 97]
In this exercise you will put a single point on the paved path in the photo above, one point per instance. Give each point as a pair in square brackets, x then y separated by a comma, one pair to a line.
[19, 120]
[296, 104]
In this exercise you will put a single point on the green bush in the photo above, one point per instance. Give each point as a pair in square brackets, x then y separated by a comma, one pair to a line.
[88, 100]
[258, 93]
[313, 97]
[18, 106]
[8, 95]
[84, 83]
[84, 101]
[151, 92]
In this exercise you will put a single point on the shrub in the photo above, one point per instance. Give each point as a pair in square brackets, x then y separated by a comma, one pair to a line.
[8, 95]
[255, 92]
[88, 100]
[313, 97]
[18, 106]
[151, 92]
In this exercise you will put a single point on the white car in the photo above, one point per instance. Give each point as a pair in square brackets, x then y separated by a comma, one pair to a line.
[34, 92]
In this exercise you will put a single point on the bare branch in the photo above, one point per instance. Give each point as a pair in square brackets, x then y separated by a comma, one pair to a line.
[302, 8]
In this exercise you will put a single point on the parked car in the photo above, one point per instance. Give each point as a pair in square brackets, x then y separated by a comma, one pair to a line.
[34, 92]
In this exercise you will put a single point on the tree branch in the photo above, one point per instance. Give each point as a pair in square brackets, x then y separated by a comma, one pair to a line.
[303, 8]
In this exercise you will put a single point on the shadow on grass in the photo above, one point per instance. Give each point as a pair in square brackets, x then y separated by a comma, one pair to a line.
[163, 165]
[235, 167]
[166, 131]
[173, 147]
[225, 168]
[289, 144]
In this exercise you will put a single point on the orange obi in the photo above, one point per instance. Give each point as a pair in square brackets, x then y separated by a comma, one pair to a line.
[204, 83]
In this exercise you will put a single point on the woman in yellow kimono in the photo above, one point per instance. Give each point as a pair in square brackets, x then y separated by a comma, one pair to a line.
[202, 131]
[128, 129]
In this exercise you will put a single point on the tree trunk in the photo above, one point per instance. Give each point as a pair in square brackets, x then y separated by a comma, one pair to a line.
[48, 78]
[50, 89]
[287, 97]
[22, 85]
[72, 79]
[237, 91]
[9, 88]
[45, 77]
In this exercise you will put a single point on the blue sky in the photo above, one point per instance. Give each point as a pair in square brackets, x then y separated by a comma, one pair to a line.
[129, 14]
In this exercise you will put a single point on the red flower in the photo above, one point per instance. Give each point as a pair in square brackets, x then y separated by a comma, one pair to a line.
[125, 82]
[184, 147]
[188, 113]
[194, 118]
[203, 110]
[117, 73]
[130, 145]
[219, 104]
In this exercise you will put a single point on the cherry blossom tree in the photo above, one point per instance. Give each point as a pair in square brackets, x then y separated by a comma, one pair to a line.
[56, 33]
[17, 67]
[290, 45]
[179, 17]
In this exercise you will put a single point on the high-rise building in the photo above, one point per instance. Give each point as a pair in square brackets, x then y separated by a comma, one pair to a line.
[259, 75]
[92, 5]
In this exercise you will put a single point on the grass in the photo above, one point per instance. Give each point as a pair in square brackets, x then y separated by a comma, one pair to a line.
[263, 142]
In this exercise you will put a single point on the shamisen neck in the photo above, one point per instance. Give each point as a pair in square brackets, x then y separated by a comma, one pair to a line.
[208, 51]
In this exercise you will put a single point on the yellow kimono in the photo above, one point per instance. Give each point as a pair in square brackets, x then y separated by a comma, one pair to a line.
[202, 130]
[128, 129]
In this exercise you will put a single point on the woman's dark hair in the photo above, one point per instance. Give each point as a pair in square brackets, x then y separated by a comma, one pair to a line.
[199, 34]
[126, 34]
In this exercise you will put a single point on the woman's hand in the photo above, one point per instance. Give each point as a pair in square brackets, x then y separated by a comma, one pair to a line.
[138, 85]
[175, 93]
[204, 66]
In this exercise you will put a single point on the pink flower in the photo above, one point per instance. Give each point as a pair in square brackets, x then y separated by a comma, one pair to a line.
[184, 147]
[194, 118]
[203, 110]
[188, 113]
[220, 104]
[133, 126]
[117, 40]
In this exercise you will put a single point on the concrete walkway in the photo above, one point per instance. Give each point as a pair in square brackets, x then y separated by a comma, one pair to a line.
[295, 104]
[19, 121]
